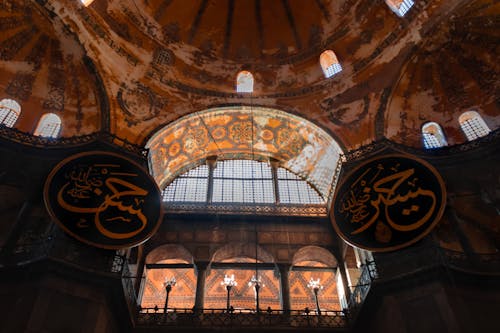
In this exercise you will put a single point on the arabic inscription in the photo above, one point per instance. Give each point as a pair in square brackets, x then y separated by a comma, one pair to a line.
[388, 203]
[103, 199]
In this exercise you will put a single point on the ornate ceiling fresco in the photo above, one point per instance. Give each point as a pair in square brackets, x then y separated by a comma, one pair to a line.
[42, 67]
[236, 132]
[157, 61]
[456, 70]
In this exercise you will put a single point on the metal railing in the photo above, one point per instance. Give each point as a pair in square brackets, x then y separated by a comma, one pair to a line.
[484, 263]
[360, 291]
[393, 266]
[61, 249]
[245, 318]
[390, 266]
[422, 258]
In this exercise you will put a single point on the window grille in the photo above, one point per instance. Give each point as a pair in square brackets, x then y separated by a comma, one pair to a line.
[400, 7]
[9, 112]
[49, 126]
[294, 190]
[473, 125]
[241, 181]
[188, 187]
[244, 82]
[433, 136]
[329, 63]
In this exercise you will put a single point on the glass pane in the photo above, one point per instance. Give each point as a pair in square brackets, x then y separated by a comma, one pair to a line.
[243, 181]
[294, 190]
[190, 187]
[474, 129]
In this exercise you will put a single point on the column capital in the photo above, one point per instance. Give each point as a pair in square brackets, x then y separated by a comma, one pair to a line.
[274, 162]
[284, 267]
[201, 265]
[211, 161]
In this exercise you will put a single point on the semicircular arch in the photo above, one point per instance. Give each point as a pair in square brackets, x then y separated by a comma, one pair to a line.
[242, 250]
[237, 132]
[315, 254]
[168, 252]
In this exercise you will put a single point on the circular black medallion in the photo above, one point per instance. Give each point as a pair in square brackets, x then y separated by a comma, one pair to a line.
[388, 202]
[103, 199]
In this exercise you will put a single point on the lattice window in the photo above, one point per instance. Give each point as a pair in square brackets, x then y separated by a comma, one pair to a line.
[433, 136]
[191, 186]
[244, 82]
[400, 7]
[243, 181]
[49, 126]
[473, 125]
[329, 63]
[9, 112]
[294, 190]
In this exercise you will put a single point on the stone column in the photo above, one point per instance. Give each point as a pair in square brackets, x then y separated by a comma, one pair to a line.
[285, 287]
[345, 281]
[200, 284]
[17, 229]
[140, 270]
[211, 163]
[274, 169]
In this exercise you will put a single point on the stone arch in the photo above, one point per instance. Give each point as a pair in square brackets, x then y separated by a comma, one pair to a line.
[167, 252]
[314, 253]
[239, 250]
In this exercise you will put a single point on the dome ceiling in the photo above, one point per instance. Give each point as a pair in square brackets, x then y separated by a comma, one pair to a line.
[42, 68]
[158, 61]
[456, 70]
[245, 31]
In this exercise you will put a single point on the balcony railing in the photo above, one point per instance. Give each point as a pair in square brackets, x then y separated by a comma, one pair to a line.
[428, 256]
[360, 291]
[244, 318]
[61, 249]
[393, 265]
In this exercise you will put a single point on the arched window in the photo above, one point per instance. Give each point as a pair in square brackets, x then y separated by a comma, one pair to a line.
[473, 125]
[86, 3]
[433, 136]
[400, 7]
[241, 181]
[169, 263]
[315, 267]
[329, 63]
[244, 82]
[9, 112]
[244, 264]
[242, 269]
[309, 157]
[49, 126]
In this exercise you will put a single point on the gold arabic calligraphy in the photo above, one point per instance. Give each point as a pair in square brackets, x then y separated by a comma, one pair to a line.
[106, 194]
[371, 200]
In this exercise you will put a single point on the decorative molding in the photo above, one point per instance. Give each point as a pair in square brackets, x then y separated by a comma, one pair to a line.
[378, 146]
[247, 209]
[17, 136]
